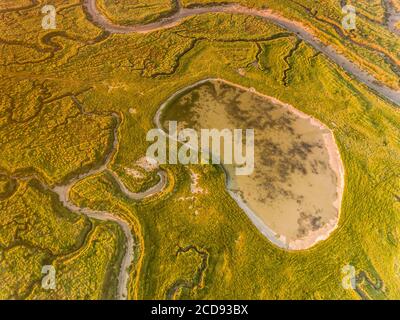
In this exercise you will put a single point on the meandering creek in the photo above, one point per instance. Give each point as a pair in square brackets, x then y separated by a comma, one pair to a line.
[297, 28]
[63, 192]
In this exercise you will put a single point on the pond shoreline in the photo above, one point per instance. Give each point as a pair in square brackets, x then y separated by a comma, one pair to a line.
[335, 163]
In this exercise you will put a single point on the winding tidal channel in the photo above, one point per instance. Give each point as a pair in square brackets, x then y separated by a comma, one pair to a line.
[63, 192]
[301, 31]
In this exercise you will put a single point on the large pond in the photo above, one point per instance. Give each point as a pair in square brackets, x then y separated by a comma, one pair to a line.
[294, 194]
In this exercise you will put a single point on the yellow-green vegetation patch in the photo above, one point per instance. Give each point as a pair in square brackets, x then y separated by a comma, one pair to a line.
[4, 184]
[36, 231]
[136, 11]
[91, 273]
[273, 57]
[10, 5]
[32, 216]
[27, 32]
[373, 10]
[371, 45]
[229, 28]
[7, 186]
[21, 268]
[192, 264]
[53, 138]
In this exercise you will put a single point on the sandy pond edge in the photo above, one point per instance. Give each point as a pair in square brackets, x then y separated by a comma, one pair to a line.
[335, 162]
